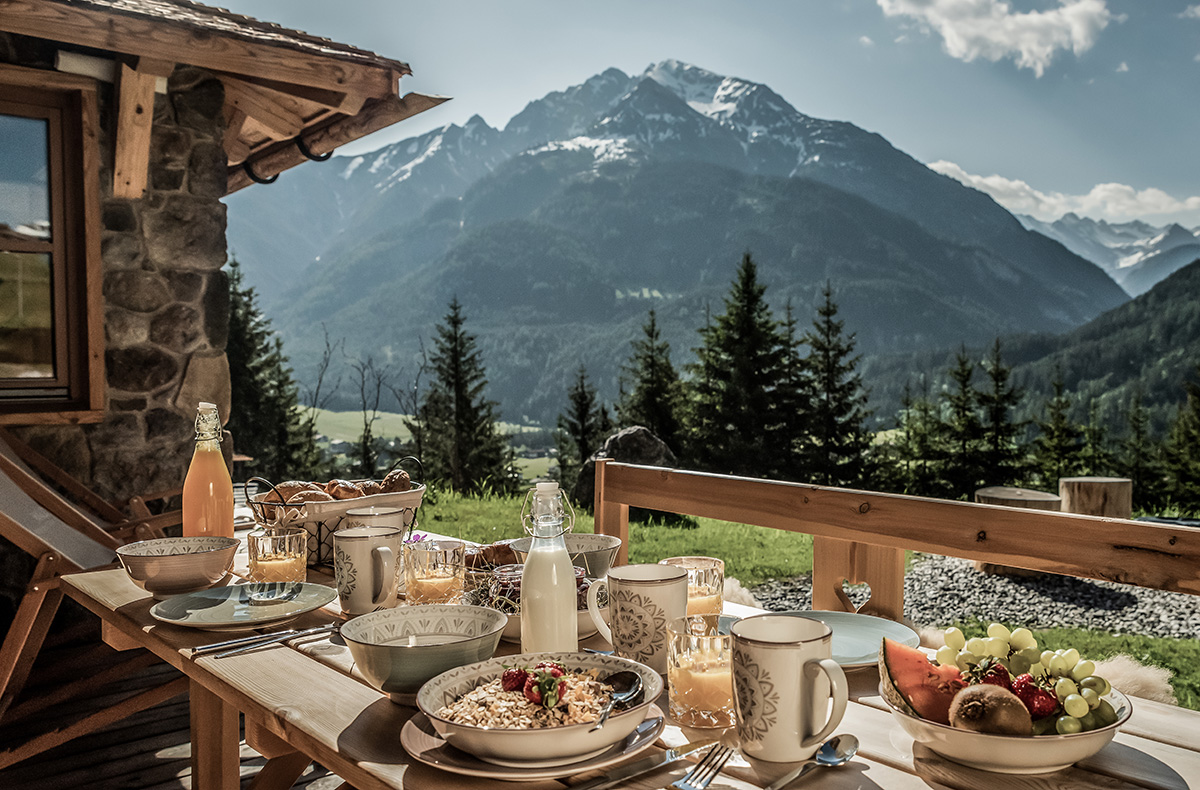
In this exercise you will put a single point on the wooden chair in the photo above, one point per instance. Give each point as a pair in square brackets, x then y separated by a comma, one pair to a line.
[62, 537]
[861, 536]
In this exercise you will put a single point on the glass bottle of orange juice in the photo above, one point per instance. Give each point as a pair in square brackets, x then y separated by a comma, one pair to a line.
[208, 489]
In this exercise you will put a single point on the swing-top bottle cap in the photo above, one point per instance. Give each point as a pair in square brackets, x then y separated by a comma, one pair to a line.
[550, 487]
[208, 422]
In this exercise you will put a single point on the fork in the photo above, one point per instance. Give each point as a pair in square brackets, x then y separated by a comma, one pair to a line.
[706, 770]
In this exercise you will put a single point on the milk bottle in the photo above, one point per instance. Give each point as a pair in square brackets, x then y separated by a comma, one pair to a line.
[548, 596]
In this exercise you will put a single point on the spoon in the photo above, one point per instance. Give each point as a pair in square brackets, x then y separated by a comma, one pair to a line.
[626, 685]
[835, 751]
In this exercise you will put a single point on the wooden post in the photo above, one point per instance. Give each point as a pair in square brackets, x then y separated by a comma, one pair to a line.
[1010, 496]
[611, 518]
[1097, 496]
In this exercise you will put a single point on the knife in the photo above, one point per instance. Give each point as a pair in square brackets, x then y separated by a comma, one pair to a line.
[639, 767]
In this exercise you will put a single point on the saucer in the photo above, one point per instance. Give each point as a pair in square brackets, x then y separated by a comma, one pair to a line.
[856, 637]
[231, 609]
[421, 740]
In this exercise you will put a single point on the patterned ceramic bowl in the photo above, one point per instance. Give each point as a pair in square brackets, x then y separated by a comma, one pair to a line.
[594, 553]
[172, 566]
[1010, 754]
[399, 649]
[535, 748]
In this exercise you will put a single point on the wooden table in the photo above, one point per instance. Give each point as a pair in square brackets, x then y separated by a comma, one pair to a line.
[304, 702]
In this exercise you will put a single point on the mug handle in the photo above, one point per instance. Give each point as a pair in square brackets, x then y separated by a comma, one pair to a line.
[387, 559]
[841, 693]
[594, 609]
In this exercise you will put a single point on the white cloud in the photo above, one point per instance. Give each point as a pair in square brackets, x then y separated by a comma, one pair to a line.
[1113, 202]
[1123, 67]
[1191, 12]
[866, 41]
[990, 29]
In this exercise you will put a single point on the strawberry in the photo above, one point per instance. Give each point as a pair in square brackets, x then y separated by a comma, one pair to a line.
[553, 667]
[513, 679]
[533, 690]
[991, 671]
[1041, 702]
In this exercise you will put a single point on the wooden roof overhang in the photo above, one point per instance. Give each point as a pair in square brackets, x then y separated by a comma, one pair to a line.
[289, 96]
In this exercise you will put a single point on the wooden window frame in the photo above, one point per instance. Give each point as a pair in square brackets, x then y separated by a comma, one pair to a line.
[69, 104]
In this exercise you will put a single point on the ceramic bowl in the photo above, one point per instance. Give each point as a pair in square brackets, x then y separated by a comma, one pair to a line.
[399, 649]
[541, 747]
[172, 566]
[584, 625]
[594, 553]
[1008, 754]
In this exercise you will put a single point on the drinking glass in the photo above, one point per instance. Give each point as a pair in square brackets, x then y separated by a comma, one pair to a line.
[278, 562]
[706, 582]
[700, 672]
[434, 571]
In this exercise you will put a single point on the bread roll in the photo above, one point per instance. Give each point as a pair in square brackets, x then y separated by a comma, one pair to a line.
[370, 487]
[343, 489]
[317, 495]
[396, 480]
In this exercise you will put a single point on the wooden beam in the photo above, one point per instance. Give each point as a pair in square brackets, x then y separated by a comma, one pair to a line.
[42, 78]
[135, 114]
[376, 115]
[346, 102]
[162, 40]
[258, 104]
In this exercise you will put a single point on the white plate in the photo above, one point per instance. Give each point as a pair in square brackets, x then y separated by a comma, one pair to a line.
[229, 608]
[856, 637]
[421, 740]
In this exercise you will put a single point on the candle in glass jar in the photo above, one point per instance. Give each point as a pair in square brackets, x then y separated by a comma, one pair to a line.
[439, 588]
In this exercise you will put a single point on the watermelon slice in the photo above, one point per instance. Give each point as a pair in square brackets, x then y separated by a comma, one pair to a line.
[912, 683]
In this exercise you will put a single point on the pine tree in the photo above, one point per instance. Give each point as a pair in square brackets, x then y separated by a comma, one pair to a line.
[1001, 451]
[962, 431]
[737, 368]
[917, 444]
[582, 427]
[1139, 457]
[267, 421]
[838, 445]
[1057, 448]
[655, 392]
[1095, 455]
[461, 439]
[1182, 453]
[793, 398]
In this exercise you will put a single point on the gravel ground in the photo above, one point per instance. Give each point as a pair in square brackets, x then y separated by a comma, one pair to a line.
[942, 590]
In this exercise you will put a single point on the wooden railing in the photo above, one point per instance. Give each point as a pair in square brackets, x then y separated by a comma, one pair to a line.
[860, 536]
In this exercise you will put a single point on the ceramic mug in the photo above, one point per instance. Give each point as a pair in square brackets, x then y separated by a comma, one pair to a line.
[365, 565]
[783, 679]
[642, 599]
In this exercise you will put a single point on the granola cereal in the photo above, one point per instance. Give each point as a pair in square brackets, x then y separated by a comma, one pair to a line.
[490, 705]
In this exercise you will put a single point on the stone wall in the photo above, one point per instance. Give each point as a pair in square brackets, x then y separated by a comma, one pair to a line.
[166, 298]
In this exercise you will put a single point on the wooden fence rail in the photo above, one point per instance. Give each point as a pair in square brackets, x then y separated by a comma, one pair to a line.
[860, 536]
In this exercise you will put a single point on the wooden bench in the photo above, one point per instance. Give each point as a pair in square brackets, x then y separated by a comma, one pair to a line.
[861, 536]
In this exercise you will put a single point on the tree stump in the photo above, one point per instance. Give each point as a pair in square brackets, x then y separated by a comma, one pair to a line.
[1097, 496]
[1013, 497]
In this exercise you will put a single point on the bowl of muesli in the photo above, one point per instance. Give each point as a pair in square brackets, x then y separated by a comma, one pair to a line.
[534, 709]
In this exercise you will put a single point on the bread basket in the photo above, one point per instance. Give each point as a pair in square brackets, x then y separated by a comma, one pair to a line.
[322, 519]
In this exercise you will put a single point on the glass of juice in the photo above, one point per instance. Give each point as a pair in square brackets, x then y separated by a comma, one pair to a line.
[434, 571]
[699, 672]
[278, 562]
[706, 582]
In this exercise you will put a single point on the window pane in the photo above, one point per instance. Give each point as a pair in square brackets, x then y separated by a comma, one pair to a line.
[26, 316]
[24, 195]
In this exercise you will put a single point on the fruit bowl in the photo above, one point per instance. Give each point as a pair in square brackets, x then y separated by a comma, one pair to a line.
[1009, 754]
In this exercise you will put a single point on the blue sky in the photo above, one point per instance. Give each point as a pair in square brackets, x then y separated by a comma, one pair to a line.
[1049, 105]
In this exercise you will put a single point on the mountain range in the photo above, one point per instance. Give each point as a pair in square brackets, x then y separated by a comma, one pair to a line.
[597, 203]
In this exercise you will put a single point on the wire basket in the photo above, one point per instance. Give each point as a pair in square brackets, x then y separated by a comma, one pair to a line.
[321, 519]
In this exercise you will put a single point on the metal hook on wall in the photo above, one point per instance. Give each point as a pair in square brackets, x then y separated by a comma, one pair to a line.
[307, 152]
[255, 177]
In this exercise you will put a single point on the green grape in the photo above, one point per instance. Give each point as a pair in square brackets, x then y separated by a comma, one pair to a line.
[1065, 687]
[1083, 670]
[1099, 684]
[1071, 656]
[1067, 725]
[965, 660]
[1093, 699]
[1036, 669]
[1023, 639]
[1058, 666]
[946, 655]
[998, 631]
[1044, 726]
[977, 646]
[1018, 664]
[1088, 721]
[1075, 705]
[1046, 657]
[995, 646]
[1032, 654]
[1105, 714]
[954, 638]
